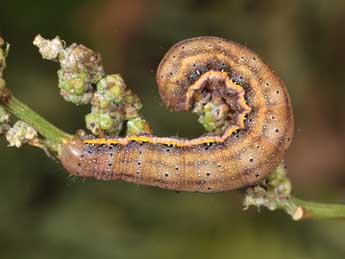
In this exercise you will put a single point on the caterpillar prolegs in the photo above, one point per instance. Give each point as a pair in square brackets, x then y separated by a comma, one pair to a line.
[259, 131]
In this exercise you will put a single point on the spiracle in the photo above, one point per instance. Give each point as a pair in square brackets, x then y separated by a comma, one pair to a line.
[258, 125]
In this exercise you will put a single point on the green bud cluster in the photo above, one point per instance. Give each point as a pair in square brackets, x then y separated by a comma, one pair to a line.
[213, 114]
[74, 87]
[82, 80]
[81, 68]
[137, 126]
[112, 105]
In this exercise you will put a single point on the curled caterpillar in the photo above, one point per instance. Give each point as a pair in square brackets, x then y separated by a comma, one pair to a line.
[259, 131]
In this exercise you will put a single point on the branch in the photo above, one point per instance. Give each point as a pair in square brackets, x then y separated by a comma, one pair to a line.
[315, 210]
[53, 135]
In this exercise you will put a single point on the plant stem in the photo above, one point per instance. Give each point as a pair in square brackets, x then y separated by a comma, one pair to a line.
[315, 210]
[53, 135]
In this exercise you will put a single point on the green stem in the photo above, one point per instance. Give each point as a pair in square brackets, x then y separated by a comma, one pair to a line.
[315, 210]
[53, 135]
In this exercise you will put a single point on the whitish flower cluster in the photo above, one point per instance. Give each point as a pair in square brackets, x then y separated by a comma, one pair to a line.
[20, 133]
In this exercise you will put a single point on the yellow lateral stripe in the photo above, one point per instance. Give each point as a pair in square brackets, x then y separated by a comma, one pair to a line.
[164, 141]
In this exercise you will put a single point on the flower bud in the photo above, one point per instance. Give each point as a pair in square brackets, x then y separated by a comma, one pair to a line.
[49, 49]
[20, 133]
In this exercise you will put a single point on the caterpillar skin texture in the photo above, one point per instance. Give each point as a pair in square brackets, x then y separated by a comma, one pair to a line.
[259, 133]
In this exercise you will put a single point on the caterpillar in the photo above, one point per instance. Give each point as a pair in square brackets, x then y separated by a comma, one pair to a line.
[259, 132]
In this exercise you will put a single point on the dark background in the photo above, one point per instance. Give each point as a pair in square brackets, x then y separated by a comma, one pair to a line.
[46, 214]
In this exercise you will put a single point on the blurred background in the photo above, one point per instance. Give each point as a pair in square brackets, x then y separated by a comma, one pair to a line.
[46, 214]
